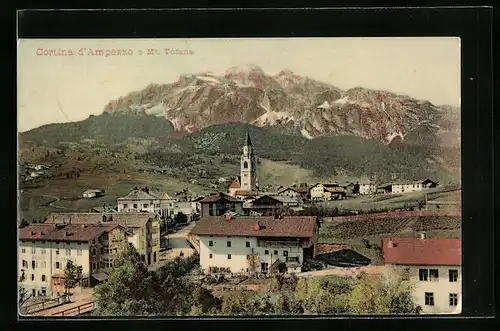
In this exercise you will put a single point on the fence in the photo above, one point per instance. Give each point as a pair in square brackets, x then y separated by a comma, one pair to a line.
[340, 219]
[39, 306]
[78, 310]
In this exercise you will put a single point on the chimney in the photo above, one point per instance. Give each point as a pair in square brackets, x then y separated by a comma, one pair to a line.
[33, 233]
[256, 227]
[83, 226]
[228, 217]
[390, 244]
[423, 235]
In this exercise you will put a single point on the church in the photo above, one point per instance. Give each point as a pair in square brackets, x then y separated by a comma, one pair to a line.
[246, 184]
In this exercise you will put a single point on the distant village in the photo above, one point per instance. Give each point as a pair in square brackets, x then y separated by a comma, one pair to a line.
[242, 230]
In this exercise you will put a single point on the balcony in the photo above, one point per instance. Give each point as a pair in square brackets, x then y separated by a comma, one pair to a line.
[278, 243]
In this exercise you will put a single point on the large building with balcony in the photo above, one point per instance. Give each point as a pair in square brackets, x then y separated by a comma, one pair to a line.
[255, 244]
[44, 251]
[434, 265]
[145, 228]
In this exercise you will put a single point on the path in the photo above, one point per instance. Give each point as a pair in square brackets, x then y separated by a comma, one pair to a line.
[178, 242]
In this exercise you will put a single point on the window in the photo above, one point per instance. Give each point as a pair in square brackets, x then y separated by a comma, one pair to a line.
[292, 259]
[135, 205]
[33, 250]
[228, 244]
[43, 278]
[429, 299]
[249, 257]
[33, 264]
[68, 251]
[210, 256]
[453, 299]
[57, 251]
[23, 250]
[266, 252]
[245, 165]
[43, 251]
[79, 252]
[210, 243]
[423, 274]
[247, 244]
[285, 253]
[32, 277]
[44, 291]
[229, 256]
[275, 252]
[57, 242]
[453, 273]
[58, 265]
[93, 251]
[79, 243]
[33, 292]
[25, 264]
[125, 205]
[145, 205]
[433, 275]
[102, 250]
[93, 266]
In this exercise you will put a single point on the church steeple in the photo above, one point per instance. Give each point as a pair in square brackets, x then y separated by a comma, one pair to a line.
[248, 142]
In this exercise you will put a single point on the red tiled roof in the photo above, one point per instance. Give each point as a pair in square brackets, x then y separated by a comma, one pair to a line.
[133, 220]
[417, 251]
[235, 183]
[61, 232]
[288, 226]
[216, 197]
[246, 193]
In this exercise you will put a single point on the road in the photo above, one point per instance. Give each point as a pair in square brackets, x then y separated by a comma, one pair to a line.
[342, 272]
[178, 243]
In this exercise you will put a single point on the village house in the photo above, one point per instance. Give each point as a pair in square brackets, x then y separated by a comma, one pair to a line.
[145, 228]
[93, 193]
[141, 200]
[326, 192]
[255, 244]
[350, 188]
[434, 265]
[44, 250]
[406, 186]
[220, 203]
[269, 205]
[366, 187]
[301, 194]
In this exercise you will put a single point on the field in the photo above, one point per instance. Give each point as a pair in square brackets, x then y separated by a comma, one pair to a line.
[392, 201]
[365, 236]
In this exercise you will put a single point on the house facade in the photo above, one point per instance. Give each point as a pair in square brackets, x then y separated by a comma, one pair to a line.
[45, 249]
[301, 194]
[141, 200]
[255, 245]
[434, 265]
[144, 228]
[367, 188]
[93, 193]
[220, 203]
[406, 186]
[325, 191]
[269, 205]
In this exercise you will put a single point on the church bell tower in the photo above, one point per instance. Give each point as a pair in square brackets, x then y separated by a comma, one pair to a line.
[248, 167]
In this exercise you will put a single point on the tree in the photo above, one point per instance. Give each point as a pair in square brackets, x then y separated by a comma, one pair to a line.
[23, 223]
[23, 292]
[180, 217]
[72, 275]
[383, 294]
[253, 261]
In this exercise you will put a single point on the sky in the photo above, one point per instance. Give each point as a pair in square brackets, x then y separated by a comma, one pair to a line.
[55, 88]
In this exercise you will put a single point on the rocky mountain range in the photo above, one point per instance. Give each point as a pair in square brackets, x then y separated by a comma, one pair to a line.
[292, 103]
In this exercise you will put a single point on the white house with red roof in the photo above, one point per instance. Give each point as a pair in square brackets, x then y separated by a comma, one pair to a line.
[434, 265]
[255, 244]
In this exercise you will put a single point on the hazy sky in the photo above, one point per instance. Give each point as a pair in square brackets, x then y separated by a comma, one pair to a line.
[424, 68]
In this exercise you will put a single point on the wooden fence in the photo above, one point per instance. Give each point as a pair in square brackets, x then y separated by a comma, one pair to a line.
[400, 214]
[78, 310]
[39, 306]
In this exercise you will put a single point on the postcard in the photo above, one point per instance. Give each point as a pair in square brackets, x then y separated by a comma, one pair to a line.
[228, 177]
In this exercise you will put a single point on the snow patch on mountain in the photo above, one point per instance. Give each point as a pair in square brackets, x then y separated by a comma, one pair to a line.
[272, 118]
[342, 101]
[208, 79]
[158, 110]
[393, 135]
[325, 105]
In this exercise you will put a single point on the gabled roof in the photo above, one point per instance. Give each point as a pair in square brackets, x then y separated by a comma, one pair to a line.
[236, 183]
[140, 195]
[246, 193]
[325, 185]
[288, 226]
[68, 232]
[417, 251]
[296, 189]
[133, 220]
[216, 197]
